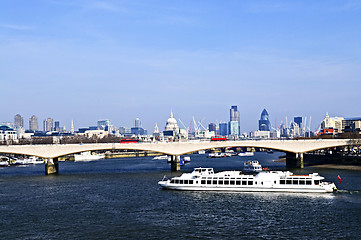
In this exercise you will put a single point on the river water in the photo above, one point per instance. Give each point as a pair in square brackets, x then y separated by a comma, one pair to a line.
[120, 199]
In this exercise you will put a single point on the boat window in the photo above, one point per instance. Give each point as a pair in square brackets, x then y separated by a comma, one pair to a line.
[177, 181]
[295, 182]
[203, 182]
[238, 182]
[172, 181]
[302, 182]
[214, 181]
[251, 182]
[209, 181]
[282, 181]
[203, 177]
[220, 178]
[244, 182]
[190, 181]
[308, 182]
[226, 182]
[288, 181]
[261, 183]
[232, 182]
[275, 182]
[185, 181]
[220, 182]
[317, 182]
[181, 181]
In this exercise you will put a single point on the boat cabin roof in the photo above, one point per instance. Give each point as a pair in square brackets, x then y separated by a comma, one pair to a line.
[204, 170]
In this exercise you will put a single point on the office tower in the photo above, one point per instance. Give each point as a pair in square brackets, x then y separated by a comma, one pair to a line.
[223, 129]
[57, 126]
[19, 121]
[264, 124]
[48, 125]
[298, 121]
[212, 127]
[33, 123]
[234, 114]
[103, 124]
[137, 123]
[234, 126]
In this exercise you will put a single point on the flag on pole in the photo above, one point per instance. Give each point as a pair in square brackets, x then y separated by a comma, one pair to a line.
[339, 178]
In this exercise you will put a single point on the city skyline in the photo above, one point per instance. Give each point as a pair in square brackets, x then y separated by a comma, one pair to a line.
[89, 60]
[51, 124]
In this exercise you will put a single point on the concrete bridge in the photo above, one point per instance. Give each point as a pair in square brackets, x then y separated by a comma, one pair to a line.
[293, 148]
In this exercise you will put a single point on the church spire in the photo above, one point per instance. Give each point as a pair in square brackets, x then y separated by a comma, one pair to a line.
[156, 129]
[72, 127]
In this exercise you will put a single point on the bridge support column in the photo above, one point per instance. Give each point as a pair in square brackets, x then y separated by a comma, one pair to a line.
[294, 160]
[175, 163]
[51, 166]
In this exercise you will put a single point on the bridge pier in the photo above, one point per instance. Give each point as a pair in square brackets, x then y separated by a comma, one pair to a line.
[175, 163]
[294, 160]
[51, 166]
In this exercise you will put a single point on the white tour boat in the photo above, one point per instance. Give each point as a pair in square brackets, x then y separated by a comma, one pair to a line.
[267, 181]
[246, 154]
[34, 160]
[162, 157]
[87, 156]
[252, 166]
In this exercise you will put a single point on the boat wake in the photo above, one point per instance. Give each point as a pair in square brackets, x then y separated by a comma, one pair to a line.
[353, 192]
[350, 196]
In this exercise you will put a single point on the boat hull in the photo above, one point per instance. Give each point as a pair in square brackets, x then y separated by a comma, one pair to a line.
[165, 185]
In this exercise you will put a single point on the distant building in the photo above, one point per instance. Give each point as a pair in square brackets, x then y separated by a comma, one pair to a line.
[298, 121]
[212, 127]
[351, 124]
[7, 134]
[171, 127]
[234, 126]
[264, 124]
[334, 123]
[48, 125]
[57, 126]
[102, 124]
[260, 134]
[137, 129]
[125, 131]
[33, 123]
[137, 123]
[156, 132]
[18, 121]
[223, 129]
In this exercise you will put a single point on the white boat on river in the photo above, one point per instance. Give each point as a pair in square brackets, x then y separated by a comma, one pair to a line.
[161, 157]
[204, 179]
[87, 156]
[252, 166]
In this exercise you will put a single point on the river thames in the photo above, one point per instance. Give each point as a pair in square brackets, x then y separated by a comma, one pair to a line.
[120, 199]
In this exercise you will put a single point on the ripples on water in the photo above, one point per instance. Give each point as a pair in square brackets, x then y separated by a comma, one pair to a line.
[120, 199]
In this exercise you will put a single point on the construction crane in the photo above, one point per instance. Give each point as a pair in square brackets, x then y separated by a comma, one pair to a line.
[186, 128]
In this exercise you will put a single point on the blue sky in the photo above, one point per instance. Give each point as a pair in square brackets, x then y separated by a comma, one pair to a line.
[119, 60]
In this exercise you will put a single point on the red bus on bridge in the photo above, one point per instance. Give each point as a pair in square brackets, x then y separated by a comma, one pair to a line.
[129, 140]
[219, 138]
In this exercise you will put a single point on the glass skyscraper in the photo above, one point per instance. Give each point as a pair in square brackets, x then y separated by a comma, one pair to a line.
[223, 129]
[264, 123]
[233, 125]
